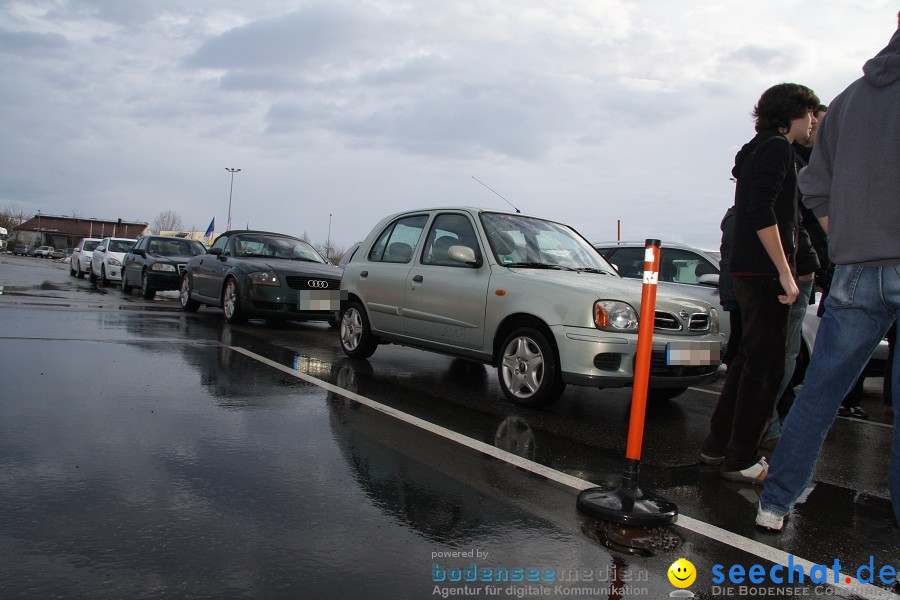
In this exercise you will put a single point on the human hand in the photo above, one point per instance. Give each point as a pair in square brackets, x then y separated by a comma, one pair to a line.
[790, 288]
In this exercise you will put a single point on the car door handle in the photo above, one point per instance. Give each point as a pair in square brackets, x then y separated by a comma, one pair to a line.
[418, 279]
[364, 274]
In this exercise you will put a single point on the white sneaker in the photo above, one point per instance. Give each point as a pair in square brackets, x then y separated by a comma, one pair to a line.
[753, 474]
[769, 520]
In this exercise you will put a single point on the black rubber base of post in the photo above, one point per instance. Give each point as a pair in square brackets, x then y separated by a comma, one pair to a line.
[627, 504]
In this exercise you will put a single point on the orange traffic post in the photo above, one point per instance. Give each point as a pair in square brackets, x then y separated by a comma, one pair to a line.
[628, 504]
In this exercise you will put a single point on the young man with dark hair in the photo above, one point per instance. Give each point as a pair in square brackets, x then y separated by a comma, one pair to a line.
[763, 271]
[851, 184]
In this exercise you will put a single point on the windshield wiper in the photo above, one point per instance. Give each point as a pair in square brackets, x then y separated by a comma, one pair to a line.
[537, 265]
[593, 270]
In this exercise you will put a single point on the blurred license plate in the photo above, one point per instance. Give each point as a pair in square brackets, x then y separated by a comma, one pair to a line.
[686, 354]
[318, 299]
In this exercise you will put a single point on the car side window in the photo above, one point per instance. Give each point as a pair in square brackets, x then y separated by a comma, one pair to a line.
[397, 242]
[221, 243]
[629, 262]
[446, 231]
[682, 266]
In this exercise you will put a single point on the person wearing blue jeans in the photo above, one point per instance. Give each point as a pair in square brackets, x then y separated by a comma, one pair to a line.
[851, 186]
[862, 304]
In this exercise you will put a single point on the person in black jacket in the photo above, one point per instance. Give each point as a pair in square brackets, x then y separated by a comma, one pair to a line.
[763, 270]
[726, 288]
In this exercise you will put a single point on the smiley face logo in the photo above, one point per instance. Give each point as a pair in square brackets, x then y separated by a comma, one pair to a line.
[682, 573]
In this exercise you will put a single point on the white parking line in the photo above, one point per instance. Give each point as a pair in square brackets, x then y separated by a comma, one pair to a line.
[718, 534]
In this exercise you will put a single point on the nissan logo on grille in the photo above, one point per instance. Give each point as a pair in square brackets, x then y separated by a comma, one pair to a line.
[317, 283]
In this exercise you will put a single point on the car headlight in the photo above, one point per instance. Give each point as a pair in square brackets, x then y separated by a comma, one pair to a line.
[713, 321]
[113, 262]
[263, 278]
[615, 315]
[162, 267]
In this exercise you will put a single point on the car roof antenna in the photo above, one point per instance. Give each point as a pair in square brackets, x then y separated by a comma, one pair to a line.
[488, 187]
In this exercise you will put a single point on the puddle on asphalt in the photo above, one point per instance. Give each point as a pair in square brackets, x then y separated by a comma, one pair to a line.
[640, 541]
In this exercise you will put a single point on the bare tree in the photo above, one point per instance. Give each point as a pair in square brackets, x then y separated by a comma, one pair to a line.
[168, 220]
[11, 217]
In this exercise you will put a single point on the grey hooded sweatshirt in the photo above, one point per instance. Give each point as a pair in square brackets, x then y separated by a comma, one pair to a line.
[853, 176]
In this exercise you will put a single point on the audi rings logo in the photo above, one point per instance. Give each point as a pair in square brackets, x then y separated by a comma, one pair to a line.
[317, 283]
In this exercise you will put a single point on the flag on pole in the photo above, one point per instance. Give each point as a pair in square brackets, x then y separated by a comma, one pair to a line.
[209, 231]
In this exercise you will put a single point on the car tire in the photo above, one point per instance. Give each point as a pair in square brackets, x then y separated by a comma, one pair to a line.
[660, 395]
[126, 289]
[231, 302]
[92, 277]
[78, 272]
[147, 292]
[71, 270]
[104, 280]
[528, 368]
[357, 340]
[184, 295]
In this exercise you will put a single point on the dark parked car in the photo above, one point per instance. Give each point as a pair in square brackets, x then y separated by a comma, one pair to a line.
[23, 250]
[262, 275]
[156, 262]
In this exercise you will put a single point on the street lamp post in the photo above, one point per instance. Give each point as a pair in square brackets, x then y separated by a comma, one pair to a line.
[328, 241]
[40, 231]
[230, 192]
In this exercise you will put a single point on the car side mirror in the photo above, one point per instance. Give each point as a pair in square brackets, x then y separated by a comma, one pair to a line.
[142, 253]
[215, 251]
[463, 254]
[710, 279]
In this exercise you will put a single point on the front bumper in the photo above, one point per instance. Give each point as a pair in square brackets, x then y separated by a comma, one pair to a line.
[595, 358]
[163, 280]
[271, 302]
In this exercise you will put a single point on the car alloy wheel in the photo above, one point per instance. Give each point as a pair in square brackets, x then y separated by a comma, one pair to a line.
[528, 370]
[357, 340]
[184, 295]
[231, 303]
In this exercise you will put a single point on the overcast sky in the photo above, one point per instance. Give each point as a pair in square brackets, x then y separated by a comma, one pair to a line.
[582, 111]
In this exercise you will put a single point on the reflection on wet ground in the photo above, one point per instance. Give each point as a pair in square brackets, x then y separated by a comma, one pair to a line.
[140, 455]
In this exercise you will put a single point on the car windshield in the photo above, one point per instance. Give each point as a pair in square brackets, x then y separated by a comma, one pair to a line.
[120, 245]
[271, 246]
[175, 248]
[520, 241]
[91, 245]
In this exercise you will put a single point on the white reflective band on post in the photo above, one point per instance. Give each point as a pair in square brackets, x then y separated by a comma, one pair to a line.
[648, 255]
[651, 277]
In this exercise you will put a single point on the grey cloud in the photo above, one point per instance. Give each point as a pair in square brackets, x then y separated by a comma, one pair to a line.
[293, 39]
[20, 42]
[465, 121]
[762, 57]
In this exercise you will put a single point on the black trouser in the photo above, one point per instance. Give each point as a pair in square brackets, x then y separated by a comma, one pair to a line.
[748, 395]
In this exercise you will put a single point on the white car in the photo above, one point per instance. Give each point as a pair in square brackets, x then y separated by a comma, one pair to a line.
[106, 262]
[43, 252]
[695, 271]
[82, 256]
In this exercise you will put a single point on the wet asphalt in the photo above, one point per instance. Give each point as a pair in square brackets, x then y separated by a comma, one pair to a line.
[149, 453]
